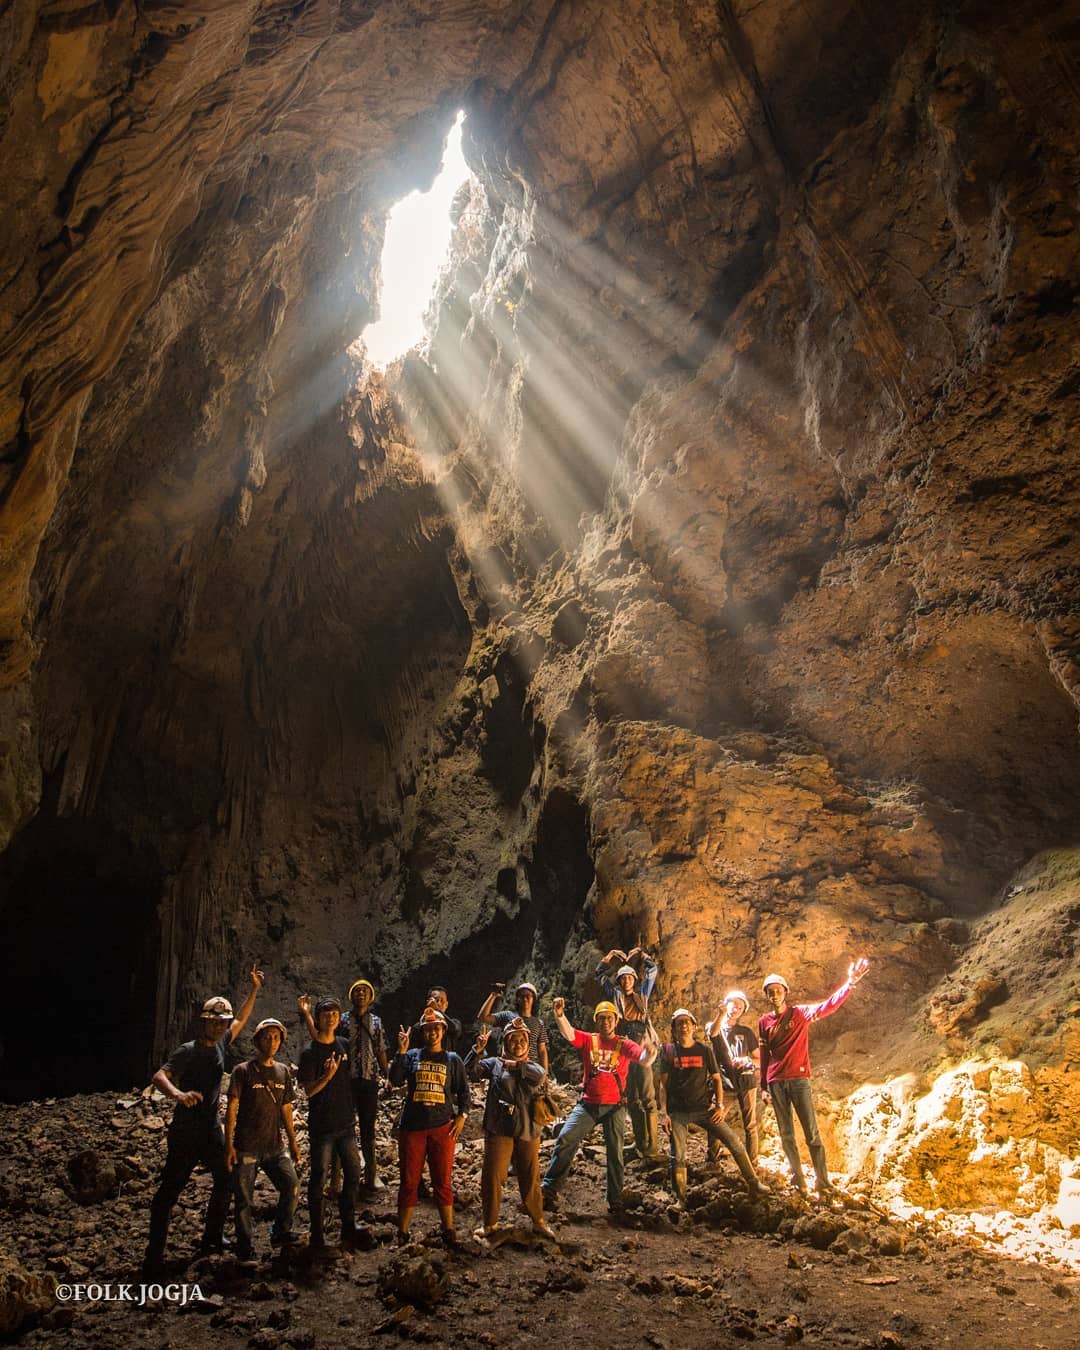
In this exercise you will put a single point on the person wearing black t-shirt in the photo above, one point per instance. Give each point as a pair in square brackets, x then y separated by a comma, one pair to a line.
[742, 1083]
[260, 1105]
[692, 1093]
[331, 1121]
[191, 1077]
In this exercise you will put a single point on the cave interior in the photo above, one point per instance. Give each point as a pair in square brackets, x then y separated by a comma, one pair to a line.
[705, 579]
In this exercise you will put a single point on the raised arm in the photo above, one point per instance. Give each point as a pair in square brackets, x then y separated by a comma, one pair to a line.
[244, 1011]
[816, 1011]
[558, 1007]
[614, 959]
[484, 1016]
[315, 1085]
[303, 1005]
[643, 963]
[397, 1073]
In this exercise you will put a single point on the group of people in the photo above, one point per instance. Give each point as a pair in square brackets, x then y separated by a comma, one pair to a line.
[625, 1067]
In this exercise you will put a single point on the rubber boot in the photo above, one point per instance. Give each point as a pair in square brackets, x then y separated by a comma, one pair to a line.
[748, 1171]
[678, 1184]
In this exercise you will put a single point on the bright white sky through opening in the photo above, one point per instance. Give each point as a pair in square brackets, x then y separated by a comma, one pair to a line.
[417, 242]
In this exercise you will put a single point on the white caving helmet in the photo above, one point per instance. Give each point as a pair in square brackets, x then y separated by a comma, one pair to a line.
[773, 979]
[738, 994]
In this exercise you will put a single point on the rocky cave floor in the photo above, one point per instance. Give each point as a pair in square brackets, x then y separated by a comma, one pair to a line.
[77, 1175]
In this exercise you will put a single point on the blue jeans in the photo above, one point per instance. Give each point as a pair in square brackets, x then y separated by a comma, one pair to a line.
[282, 1173]
[323, 1147]
[580, 1123]
[788, 1093]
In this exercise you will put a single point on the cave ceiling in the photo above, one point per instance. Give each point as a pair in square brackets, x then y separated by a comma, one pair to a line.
[709, 580]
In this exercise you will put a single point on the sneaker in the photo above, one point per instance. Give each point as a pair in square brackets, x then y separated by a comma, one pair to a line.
[541, 1230]
[404, 1239]
[551, 1200]
[449, 1238]
[284, 1239]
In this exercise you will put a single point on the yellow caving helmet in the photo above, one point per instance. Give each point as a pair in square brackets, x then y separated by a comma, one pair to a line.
[605, 1007]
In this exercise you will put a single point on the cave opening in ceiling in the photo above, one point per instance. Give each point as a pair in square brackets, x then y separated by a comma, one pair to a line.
[415, 249]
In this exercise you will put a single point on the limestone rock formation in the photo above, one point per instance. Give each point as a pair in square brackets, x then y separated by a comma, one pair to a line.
[709, 579]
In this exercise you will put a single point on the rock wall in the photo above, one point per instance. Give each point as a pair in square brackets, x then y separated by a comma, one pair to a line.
[708, 582]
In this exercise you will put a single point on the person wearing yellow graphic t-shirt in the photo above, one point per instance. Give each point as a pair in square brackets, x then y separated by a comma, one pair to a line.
[436, 1104]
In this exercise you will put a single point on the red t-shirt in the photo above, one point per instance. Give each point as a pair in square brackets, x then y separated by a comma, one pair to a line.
[605, 1061]
[789, 1055]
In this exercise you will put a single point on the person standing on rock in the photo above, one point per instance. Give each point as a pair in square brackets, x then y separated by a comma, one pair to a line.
[605, 1060]
[453, 1033]
[526, 999]
[432, 1118]
[692, 1093]
[331, 1122]
[369, 1061]
[742, 1045]
[630, 989]
[191, 1077]
[509, 1133]
[260, 1103]
[784, 1032]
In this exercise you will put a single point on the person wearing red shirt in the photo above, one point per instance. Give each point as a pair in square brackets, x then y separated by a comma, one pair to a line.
[784, 1033]
[605, 1060]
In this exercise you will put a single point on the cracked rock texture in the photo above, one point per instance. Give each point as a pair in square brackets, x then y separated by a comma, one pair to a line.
[709, 581]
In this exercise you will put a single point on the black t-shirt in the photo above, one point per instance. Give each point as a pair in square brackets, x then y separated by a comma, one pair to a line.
[197, 1068]
[741, 1042]
[263, 1090]
[690, 1071]
[330, 1111]
[451, 1037]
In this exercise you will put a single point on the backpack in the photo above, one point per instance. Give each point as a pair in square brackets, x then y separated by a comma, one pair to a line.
[543, 1108]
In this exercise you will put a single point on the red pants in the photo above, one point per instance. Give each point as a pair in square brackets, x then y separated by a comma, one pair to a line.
[438, 1147]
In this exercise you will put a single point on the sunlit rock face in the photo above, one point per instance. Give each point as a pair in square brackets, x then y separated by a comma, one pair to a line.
[709, 583]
